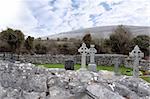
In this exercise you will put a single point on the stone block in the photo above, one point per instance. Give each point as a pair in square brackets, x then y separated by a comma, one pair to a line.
[69, 65]
[92, 67]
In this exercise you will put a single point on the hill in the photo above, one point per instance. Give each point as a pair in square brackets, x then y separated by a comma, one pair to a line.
[100, 32]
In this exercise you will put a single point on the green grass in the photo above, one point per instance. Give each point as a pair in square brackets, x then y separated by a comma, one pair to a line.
[123, 70]
[146, 78]
[77, 66]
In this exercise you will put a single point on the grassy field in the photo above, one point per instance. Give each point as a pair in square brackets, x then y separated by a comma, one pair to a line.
[122, 69]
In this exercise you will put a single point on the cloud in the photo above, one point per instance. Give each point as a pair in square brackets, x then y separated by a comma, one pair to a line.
[46, 17]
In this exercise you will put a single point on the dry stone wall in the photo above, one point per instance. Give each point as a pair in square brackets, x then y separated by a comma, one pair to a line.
[101, 59]
[144, 64]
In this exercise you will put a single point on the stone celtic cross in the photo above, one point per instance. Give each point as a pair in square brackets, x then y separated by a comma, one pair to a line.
[136, 54]
[92, 66]
[83, 50]
[92, 52]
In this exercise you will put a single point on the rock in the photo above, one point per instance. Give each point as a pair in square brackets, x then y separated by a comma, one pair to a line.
[125, 92]
[38, 83]
[101, 92]
[76, 87]
[137, 85]
[33, 95]
[2, 92]
[25, 81]
[84, 76]
[57, 91]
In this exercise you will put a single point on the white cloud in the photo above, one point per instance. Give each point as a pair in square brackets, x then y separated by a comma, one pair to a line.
[44, 17]
[129, 12]
[8, 12]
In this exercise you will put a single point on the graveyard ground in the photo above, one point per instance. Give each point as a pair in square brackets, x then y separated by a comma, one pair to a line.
[123, 70]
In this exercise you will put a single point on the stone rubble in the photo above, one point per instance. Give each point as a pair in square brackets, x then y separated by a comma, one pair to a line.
[27, 81]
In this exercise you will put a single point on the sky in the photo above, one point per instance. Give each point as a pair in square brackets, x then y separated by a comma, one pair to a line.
[46, 17]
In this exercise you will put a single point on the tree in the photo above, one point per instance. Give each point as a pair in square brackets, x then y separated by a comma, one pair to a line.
[64, 39]
[20, 39]
[120, 40]
[143, 41]
[87, 39]
[40, 49]
[63, 49]
[58, 39]
[39, 39]
[4, 47]
[14, 38]
[47, 38]
[29, 43]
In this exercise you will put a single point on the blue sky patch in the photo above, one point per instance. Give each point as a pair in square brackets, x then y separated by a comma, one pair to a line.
[106, 6]
[52, 2]
[75, 4]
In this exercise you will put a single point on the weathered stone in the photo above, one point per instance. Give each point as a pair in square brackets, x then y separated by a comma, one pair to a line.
[125, 91]
[92, 67]
[84, 76]
[136, 54]
[69, 65]
[57, 91]
[83, 50]
[25, 81]
[101, 92]
[116, 67]
[33, 95]
[136, 85]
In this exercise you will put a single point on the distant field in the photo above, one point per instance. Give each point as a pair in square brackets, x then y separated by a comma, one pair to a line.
[123, 70]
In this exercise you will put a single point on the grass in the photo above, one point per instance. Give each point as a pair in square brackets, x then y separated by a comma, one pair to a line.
[122, 70]
[146, 78]
[77, 66]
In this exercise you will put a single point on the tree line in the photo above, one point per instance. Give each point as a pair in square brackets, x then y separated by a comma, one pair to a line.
[121, 41]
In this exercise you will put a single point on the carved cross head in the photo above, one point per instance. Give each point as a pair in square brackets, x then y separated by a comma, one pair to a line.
[92, 50]
[136, 53]
[83, 49]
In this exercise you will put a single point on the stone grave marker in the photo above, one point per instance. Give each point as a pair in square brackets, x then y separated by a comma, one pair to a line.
[116, 66]
[92, 66]
[69, 65]
[136, 54]
[83, 50]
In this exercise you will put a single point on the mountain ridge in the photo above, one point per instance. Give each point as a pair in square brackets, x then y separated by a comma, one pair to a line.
[100, 32]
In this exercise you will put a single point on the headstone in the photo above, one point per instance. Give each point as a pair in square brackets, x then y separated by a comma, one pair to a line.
[83, 50]
[116, 68]
[69, 65]
[92, 66]
[136, 54]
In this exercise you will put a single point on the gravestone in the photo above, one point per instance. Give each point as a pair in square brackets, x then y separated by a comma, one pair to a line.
[116, 67]
[136, 54]
[69, 65]
[83, 50]
[92, 66]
